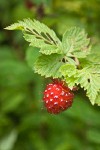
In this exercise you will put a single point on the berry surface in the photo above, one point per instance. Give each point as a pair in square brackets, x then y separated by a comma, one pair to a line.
[57, 97]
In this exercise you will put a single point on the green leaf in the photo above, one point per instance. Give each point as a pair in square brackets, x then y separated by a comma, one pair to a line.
[39, 35]
[68, 71]
[90, 82]
[95, 68]
[84, 62]
[48, 66]
[94, 58]
[71, 81]
[45, 46]
[75, 42]
[98, 99]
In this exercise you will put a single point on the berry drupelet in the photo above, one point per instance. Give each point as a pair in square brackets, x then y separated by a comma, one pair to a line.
[57, 97]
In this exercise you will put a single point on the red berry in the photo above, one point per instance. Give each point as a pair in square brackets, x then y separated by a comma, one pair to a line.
[57, 97]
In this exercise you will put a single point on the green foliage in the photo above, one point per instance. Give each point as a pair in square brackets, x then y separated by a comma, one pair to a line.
[24, 122]
[39, 35]
[75, 45]
[48, 66]
[75, 42]
[90, 82]
[69, 71]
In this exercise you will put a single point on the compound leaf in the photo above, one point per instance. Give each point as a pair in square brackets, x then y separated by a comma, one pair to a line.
[39, 35]
[90, 82]
[75, 42]
[48, 66]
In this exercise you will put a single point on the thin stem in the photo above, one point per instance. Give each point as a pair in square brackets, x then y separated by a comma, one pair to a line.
[77, 61]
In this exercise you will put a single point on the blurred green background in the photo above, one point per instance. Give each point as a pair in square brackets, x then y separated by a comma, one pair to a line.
[24, 122]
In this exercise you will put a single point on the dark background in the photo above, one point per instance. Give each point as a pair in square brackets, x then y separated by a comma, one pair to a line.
[24, 122]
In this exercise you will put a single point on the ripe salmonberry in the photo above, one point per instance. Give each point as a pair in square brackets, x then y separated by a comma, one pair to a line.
[57, 97]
